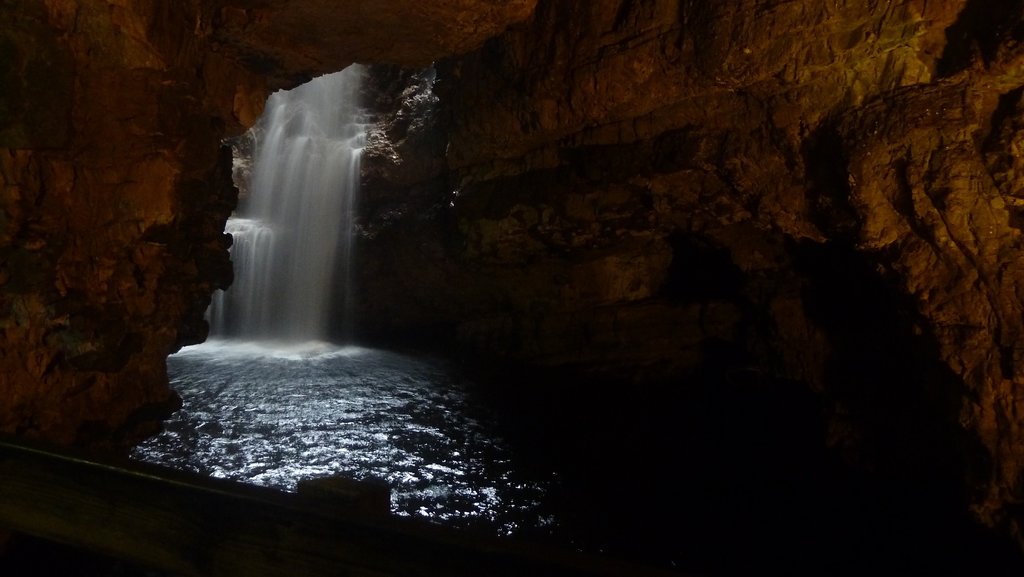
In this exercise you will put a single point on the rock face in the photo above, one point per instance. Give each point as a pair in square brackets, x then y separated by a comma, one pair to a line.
[116, 189]
[289, 39]
[112, 234]
[826, 193]
[823, 192]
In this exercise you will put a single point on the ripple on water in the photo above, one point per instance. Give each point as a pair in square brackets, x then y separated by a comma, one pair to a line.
[272, 414]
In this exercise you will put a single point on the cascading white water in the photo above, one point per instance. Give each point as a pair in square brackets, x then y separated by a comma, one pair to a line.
[292, 234]
[267, 401]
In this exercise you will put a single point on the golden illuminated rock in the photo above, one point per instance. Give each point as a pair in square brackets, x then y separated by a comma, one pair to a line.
[116, 189]
[829, 192]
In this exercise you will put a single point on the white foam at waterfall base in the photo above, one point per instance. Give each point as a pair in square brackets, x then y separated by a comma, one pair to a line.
[269, 400]
[292, 234]
[238, 350]
[272, 414]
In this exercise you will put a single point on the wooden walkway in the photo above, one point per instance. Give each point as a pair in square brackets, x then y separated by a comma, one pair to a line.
[191, 525]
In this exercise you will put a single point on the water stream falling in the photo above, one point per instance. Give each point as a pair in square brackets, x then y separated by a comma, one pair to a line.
[721, 476]
[292, 234]
[270, 400]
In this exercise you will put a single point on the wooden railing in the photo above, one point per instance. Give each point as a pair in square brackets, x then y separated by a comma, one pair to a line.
[191, 525]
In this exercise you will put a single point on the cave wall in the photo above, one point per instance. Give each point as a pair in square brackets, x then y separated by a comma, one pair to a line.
[116, 188]
[821, 192]
[112, 219]
[828, 193]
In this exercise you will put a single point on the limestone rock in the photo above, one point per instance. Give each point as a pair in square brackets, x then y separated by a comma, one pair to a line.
[828, 193]
[116, 190]
[305, 38]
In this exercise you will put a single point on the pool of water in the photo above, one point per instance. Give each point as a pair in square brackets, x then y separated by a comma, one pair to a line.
[704, 476]
[272, 414]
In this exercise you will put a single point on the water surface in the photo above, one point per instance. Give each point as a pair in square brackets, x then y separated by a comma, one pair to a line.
[270, 415]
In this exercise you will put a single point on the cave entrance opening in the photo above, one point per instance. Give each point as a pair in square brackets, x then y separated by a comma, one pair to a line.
[281, 393]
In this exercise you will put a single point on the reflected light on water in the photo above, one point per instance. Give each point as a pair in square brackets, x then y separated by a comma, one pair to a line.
[271, 414]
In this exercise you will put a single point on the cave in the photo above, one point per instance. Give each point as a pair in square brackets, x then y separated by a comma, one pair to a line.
[771, 243]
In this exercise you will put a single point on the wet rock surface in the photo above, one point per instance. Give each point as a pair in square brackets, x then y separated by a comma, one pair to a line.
[824, 193]
[819, 193]
[116, 188]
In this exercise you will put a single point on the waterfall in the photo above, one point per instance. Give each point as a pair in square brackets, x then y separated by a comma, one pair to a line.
[293, 231]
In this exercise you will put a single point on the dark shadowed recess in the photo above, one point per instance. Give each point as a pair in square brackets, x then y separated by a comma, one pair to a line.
[981, 28]
[726, 471]
[31, 557]
[726, 474]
